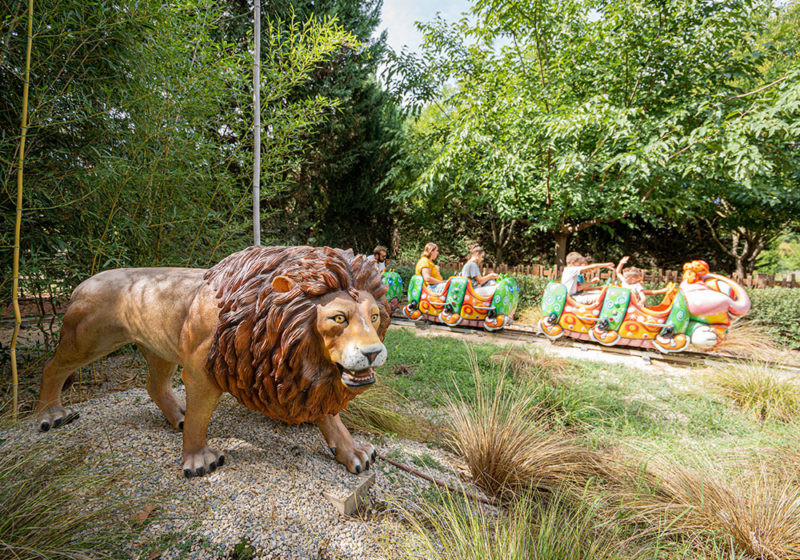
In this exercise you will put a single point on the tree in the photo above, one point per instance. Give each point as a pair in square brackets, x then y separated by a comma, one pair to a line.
[329, 195]
[138, 149]
[567, 115]
[750, 192]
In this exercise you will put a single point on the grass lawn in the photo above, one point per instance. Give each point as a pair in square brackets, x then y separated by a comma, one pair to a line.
[606, 402]
[655, 463]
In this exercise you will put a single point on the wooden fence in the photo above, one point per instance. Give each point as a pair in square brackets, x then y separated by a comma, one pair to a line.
[661, 276]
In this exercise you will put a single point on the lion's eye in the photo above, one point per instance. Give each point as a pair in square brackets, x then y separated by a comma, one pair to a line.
[339, 319]
[375, 317]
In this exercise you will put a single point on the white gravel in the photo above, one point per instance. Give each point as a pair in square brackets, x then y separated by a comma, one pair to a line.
[268, 493]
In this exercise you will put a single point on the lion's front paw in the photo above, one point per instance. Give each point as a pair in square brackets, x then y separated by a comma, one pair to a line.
[55, 416]
[357, 459]
[201, 462]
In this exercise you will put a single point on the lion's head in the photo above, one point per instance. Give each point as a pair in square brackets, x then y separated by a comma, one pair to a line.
[300, 329]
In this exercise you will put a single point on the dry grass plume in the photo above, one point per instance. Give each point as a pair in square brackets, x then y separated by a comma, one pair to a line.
[749, 340]
[503, 439]
[757, 512]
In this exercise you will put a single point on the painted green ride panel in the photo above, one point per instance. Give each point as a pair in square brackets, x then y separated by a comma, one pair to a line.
[455, 293]
[679, 315]
[415, 288]
[506, 296]
[554, 299]
[394, 285]
[615, 306]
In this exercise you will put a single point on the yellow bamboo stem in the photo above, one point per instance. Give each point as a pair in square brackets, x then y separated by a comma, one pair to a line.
[18, 223]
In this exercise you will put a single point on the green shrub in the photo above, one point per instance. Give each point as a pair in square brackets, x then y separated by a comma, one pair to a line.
[530, 290]
[778, 311]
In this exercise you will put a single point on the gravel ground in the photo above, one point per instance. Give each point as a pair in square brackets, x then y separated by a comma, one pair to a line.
[268, 495]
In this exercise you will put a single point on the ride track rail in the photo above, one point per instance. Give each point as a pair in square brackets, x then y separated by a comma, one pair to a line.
[530, 334]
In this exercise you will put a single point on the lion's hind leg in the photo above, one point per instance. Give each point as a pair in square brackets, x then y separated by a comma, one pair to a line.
[82, 341]
[159, 386]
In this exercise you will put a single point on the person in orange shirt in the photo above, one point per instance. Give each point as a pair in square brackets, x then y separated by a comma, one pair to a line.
[428, 269]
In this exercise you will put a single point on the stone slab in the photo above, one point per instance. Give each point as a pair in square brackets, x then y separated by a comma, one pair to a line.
[348, 496]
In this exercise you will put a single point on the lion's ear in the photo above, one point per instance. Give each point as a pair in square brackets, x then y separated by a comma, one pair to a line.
[282, 284]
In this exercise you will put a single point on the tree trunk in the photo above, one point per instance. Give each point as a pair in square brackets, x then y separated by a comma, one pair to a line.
[395, 240]
[561, 247]
[501, 238]
[740, 268]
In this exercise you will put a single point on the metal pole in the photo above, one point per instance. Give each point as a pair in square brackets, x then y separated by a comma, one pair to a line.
[257, 124]
[18, 222]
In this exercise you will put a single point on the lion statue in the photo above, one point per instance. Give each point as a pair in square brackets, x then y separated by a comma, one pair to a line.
[292, 332]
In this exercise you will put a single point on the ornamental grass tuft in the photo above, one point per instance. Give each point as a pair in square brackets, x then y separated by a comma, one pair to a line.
[381, 410]
[750, 340]
[529, 529]
[503, 437]
[757, 389]
[55, 506]
[759, 514]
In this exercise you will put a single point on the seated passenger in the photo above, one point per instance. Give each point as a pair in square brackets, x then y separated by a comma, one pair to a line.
[577, 264]
[378, 258]
[472, 270]
[428, 270]
[632, 278]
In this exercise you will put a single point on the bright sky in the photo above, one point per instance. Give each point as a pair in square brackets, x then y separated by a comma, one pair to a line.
[399, 17]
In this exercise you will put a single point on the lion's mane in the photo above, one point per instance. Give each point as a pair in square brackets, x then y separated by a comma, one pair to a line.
[266, 350]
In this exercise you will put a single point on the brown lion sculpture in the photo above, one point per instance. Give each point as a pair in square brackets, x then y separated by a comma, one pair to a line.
[293, 332]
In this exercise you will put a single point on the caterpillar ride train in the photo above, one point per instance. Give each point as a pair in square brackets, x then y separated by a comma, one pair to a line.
[697, 312]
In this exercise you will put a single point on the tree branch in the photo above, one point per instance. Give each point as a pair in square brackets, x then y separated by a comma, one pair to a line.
[722, 246]
[755, 91]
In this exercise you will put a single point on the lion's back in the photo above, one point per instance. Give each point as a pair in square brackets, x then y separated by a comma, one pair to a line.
[148, 305]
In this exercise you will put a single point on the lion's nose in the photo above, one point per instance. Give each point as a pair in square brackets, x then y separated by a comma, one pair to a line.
[371, 355]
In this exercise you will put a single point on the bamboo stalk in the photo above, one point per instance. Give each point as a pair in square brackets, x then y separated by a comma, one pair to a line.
[18, 222]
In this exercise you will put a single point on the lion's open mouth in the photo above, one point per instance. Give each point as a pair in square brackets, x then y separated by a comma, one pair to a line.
[357, 378]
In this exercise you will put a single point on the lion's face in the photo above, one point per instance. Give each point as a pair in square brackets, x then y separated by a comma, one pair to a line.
[350, 337]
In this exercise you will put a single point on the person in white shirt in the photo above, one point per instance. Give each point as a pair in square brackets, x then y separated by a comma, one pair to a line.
[577, 264]
[378, 257]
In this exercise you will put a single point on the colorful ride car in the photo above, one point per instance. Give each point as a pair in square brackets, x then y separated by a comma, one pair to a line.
[696, 312]
[394, 285]
[460, 303]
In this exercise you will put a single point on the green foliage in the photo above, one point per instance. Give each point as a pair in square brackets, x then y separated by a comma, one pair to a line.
[588, 116]
[530, 290]
[782, 256]
[329, 192]
[777, 310]
[139, 151]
